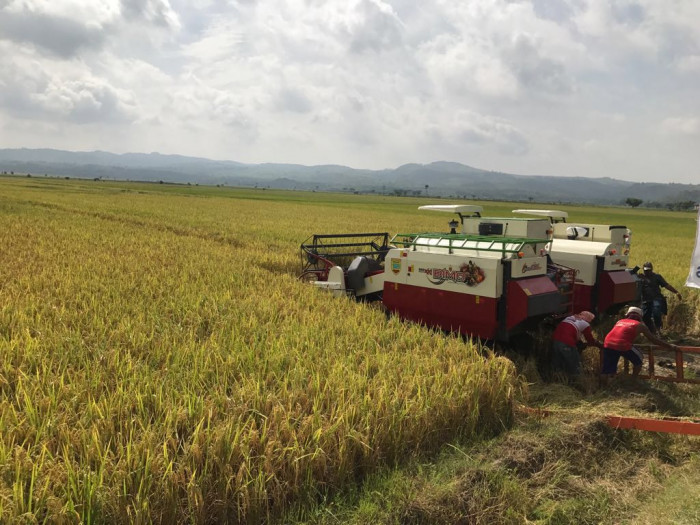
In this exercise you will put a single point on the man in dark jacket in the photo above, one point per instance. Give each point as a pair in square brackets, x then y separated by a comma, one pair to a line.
[653, 300]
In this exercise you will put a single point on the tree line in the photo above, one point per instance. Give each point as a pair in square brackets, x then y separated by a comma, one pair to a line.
[676, 206]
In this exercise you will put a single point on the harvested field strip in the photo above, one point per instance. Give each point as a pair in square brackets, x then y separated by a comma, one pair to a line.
[559, 464]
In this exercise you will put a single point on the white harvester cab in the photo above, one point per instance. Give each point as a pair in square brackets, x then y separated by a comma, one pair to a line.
[598, 253]
[618, 238]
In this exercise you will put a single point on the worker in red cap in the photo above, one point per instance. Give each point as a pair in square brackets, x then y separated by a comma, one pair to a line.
[620, 343]
[566, 356]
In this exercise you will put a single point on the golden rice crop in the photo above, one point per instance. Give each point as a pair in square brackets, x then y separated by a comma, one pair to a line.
[161, 362]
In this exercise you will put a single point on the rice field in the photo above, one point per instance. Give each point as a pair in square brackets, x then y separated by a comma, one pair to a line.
[162, 363]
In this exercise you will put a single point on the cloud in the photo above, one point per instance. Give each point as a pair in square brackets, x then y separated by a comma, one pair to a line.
[32, 87]
[559, 12]
[152, 12]
[375, 27]
[293, 100]
[538, 73]
[469, 129]
[681, 126]
[459, 67]
[642, 30]
[689, 64]
[522, 85]
[503, 50]
[69, 28]
[57, 35]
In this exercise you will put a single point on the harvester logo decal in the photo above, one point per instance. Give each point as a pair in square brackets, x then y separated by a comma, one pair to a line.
[468, 273]
[531, 267]
[395, 264]
[620, 263]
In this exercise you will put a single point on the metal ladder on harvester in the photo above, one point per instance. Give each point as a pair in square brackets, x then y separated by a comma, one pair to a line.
[564, 279]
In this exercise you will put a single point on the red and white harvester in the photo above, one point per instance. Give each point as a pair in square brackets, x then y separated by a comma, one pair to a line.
[493, 279]
[599, 255]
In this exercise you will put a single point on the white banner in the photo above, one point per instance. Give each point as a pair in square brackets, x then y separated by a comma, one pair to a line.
[694, 275]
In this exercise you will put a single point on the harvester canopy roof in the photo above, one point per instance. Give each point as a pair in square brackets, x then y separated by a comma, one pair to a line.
[552, 214]
[462, 209]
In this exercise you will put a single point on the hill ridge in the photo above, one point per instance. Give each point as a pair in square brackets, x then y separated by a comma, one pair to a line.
[437, 179]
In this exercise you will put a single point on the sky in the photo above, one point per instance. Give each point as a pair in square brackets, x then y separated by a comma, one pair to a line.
[589, 88]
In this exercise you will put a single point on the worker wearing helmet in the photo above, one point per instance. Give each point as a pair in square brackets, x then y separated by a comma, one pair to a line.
[654, 304]
[620, 343]
[574, 329]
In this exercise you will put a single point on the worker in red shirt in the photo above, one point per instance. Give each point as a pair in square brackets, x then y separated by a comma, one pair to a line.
[620, 343]
[566, 356]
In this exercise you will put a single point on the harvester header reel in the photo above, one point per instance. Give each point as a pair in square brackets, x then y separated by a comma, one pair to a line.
[319, 253]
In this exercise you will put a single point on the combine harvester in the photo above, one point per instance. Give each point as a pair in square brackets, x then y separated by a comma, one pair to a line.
[495, 279]
[599, 254]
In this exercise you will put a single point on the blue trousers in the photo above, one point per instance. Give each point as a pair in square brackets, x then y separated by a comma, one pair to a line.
[566, 358]
[654, 311]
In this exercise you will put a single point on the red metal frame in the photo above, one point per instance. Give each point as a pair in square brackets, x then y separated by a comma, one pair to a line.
[672, 425]
[668, 425]
[582, 298]
[680, 368]
[321, 273]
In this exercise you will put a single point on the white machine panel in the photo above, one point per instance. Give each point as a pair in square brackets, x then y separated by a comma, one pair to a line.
[337, 289]
[373, 283]
[615, 262]
[528, 267]
[335, 283]
[508, 227]
[592, 232]
[581, 256]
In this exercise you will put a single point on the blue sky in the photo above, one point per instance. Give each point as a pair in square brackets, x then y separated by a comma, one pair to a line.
[587, 88]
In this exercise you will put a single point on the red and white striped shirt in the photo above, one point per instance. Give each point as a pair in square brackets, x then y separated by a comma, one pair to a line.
[570, 330]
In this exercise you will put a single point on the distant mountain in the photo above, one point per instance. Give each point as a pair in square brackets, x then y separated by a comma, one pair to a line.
[442, 179]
